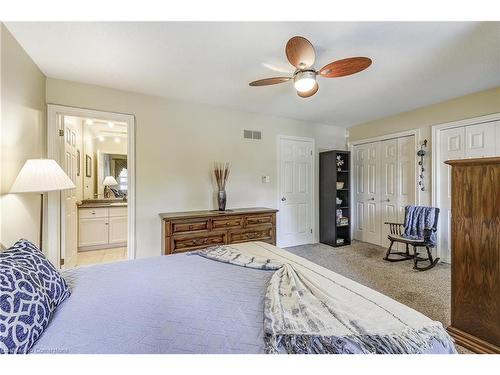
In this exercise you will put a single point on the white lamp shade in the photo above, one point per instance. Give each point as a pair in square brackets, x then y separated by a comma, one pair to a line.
[41, 175]
[109, 181]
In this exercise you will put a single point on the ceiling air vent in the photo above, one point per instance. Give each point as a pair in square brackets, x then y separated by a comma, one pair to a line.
[252, 134]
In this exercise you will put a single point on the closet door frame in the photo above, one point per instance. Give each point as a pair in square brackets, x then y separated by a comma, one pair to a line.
[436, 152]
[416, 146]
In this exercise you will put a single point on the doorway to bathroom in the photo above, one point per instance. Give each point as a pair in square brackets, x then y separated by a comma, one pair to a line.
[93, 223]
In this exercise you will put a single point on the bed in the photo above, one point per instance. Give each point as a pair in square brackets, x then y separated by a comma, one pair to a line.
[180, 303]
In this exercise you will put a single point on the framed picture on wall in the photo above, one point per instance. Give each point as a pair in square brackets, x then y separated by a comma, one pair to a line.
[78, 162]
[88, 166]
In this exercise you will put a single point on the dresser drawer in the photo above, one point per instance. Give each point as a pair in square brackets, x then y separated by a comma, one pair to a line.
[189, 226]
[228, 222]
[259, 220]
[263, 233]
[88, 213]
[186, 243]
[187, 231]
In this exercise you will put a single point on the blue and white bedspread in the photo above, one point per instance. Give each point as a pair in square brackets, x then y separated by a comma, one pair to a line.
[171, 304]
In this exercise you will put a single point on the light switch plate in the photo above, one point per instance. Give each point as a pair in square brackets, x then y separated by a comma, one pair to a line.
[265, 179]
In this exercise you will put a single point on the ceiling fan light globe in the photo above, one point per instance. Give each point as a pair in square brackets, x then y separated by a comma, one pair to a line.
[304, 81]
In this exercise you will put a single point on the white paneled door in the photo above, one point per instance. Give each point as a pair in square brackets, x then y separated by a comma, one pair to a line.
[70, 225]
[360, 191]
[472, 141]
[384, 182]
[367, 187]
[389, 186]
[372, 202]
[480, 140]
[406, 181]
[294, 225]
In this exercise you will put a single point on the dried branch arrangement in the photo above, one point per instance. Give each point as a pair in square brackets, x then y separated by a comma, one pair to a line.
[221, 172]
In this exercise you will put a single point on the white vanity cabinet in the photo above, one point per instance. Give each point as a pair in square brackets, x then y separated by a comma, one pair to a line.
[102, 227]
[117, 225]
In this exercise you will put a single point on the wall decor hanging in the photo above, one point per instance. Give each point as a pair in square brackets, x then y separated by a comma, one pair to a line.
[421, 154]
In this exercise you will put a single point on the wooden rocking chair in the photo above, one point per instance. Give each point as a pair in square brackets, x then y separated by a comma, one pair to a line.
[397, 231]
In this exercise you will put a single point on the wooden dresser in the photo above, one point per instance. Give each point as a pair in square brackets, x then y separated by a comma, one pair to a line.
[475, 244]
[186, 231]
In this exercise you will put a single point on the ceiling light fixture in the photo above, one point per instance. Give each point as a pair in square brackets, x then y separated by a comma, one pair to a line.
[304, 81]
[117, 140]
[101, 138]
[111, 125]
[89, 122]
[301, 54]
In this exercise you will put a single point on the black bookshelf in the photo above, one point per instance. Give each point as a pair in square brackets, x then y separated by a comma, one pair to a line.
[331, 229]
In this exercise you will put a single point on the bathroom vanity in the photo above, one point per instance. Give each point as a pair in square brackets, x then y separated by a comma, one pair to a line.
[102, 224]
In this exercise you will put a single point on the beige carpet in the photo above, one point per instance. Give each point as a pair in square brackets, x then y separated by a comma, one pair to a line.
[427, 291]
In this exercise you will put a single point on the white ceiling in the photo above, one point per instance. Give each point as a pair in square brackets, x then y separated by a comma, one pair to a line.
[100, 127]
[414, 64]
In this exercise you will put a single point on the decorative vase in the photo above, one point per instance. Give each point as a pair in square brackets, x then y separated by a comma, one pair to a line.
[221, 199]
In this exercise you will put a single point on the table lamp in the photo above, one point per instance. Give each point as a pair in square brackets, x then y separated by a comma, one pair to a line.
[109, 181]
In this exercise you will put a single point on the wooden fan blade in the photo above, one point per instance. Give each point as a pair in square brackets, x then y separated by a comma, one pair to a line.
[345, 67]
[300, 52]
[309, 93]
[269, 81]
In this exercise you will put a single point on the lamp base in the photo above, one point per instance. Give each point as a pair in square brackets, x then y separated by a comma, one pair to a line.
[108, 193]
[41, 221]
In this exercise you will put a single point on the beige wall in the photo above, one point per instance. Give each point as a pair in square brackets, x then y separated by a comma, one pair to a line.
[473, 105]
[23, 136]
[176, 144]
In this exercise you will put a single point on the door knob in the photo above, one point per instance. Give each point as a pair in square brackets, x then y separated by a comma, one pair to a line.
[283, 199]
[372, 199]
[387, 200]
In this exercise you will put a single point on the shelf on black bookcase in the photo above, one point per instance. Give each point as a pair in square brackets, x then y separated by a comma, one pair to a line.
[330, 176]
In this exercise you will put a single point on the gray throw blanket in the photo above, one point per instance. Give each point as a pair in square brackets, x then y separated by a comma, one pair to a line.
[309, 309]
[417, 220]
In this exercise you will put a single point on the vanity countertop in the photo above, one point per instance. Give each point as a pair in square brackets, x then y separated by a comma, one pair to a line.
[101, 204]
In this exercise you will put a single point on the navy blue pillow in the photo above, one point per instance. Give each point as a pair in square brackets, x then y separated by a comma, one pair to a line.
[24, 307]
[27, 254]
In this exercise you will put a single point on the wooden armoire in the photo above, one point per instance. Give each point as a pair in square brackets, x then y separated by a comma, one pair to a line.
[475, 260]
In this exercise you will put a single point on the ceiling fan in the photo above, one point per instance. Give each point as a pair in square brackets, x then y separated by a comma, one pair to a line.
[300, 53]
